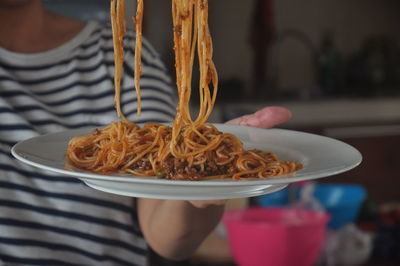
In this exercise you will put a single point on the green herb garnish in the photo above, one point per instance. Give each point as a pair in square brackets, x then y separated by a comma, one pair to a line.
[160, 173]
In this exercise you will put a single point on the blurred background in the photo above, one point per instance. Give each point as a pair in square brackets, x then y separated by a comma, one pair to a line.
[334, 64]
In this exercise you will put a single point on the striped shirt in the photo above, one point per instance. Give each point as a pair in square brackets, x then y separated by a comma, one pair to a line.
[47, 219]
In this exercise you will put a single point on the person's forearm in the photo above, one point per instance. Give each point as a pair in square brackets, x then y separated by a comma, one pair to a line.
[174, 229]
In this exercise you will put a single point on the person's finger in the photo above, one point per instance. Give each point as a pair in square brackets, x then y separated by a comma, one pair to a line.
[265, 118]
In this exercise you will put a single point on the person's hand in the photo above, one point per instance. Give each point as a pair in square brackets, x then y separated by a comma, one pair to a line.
[264, 118]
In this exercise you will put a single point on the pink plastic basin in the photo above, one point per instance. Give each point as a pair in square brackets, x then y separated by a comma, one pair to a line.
[275, 237]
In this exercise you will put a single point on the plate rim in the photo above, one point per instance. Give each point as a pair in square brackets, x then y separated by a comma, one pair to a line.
[284, 179]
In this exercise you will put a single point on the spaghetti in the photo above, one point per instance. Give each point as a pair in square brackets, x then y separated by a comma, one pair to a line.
[191, 149]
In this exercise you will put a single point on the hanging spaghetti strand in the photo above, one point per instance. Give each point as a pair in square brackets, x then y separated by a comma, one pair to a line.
[138, 21]
[117, 12]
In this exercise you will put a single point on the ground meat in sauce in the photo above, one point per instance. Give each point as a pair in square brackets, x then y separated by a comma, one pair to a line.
[179, 169]
[141, 165]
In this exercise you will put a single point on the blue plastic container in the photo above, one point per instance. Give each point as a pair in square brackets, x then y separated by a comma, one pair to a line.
[277, 199]
[342, 201]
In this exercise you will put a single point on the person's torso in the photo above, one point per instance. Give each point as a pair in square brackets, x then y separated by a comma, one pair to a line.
[47, 219]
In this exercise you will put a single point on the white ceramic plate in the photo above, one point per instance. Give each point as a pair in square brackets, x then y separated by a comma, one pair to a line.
[321, 157]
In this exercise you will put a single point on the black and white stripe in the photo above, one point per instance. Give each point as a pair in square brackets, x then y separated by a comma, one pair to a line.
[48, 219]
